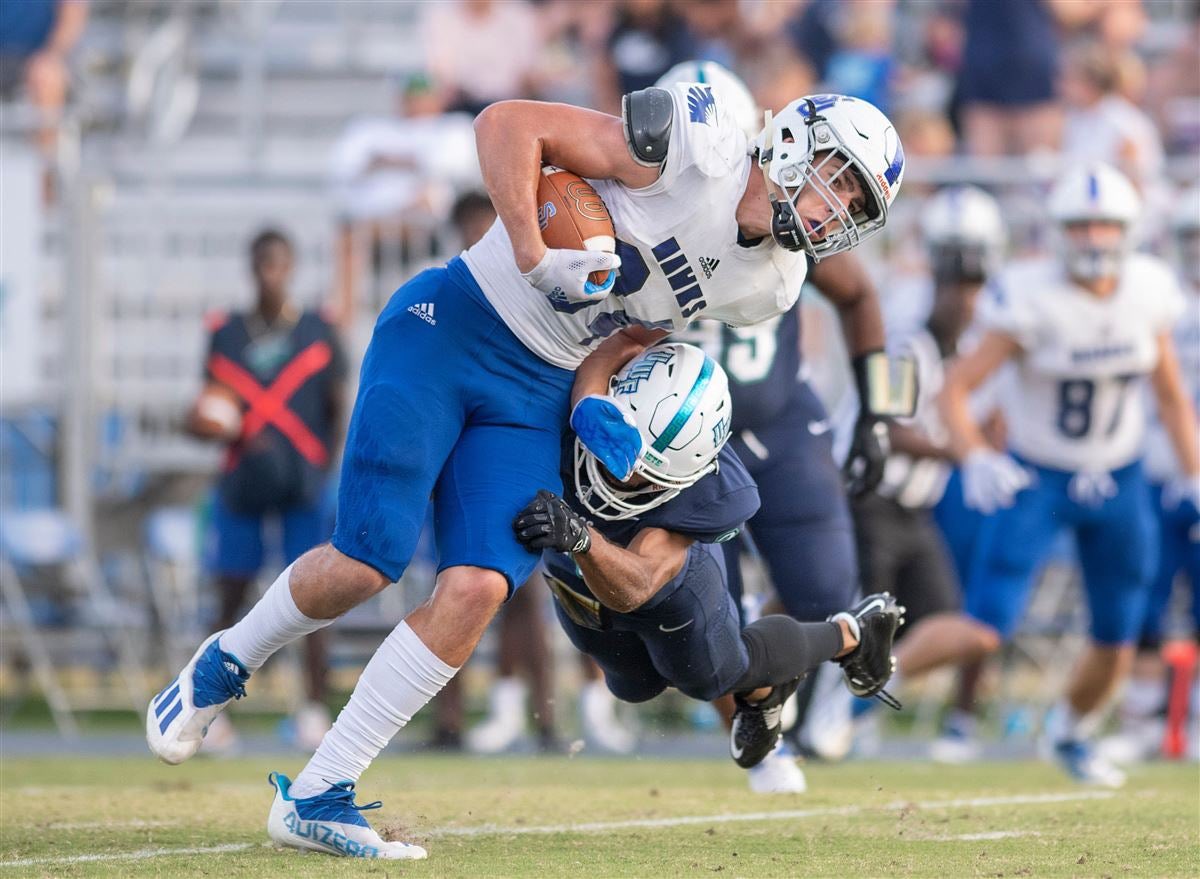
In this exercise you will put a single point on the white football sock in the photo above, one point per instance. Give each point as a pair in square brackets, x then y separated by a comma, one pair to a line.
[273, 622]
[1063, 723]
[400, 679]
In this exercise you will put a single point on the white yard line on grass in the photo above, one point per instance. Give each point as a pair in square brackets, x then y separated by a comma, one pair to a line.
[139, 855]
[787, 815]
[599, 826]
[132, 824]
[983, 837]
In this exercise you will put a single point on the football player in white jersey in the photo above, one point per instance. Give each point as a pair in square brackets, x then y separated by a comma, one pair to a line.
[1085, 331]
[1146, 698]
[803, 530]
[471, 375]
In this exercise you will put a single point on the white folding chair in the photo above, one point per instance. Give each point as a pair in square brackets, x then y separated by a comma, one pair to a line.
[47, 541]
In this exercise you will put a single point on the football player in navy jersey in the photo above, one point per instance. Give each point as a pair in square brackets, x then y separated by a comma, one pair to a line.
[644, 591]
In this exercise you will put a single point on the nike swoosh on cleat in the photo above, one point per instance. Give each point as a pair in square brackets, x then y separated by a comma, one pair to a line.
[663, 628]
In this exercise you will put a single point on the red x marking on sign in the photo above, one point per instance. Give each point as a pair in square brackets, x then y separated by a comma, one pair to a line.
[269, 405]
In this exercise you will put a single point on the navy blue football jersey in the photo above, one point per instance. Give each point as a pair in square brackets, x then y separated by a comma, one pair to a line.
[711, 511]
[762, 363]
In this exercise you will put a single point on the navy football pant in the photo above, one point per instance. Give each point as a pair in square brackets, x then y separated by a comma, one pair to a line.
[803, 530]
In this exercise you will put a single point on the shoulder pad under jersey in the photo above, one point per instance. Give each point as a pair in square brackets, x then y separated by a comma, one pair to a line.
[647, 115]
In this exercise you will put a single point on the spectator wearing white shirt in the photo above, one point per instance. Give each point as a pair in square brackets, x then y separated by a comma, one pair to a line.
[480, 51]
[1102, 124]
[391, 174]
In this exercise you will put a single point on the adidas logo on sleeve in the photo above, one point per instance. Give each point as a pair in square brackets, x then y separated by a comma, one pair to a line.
[424, 310]
[708, 265]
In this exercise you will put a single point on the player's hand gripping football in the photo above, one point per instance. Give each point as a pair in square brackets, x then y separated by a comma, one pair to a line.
[547, 522]
[563, 274]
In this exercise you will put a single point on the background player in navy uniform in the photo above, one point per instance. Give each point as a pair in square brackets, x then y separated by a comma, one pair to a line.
[901, 549]
[278, 359]
[781, 430]
[470, 378]
[643, 590]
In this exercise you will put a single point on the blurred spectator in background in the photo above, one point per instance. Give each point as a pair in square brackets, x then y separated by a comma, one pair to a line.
[814, 33]
[574, 35]
[283, 371]
[480, 51]
[646, 40]
[776, 75]
[721, 33]
[524, 663]
[1007, 80]
[861, 65]
[1174, 88]
[1102, 124]
[35, 38]
[390, 174]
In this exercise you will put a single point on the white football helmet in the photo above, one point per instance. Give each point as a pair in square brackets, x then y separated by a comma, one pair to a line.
[738, 100]
[831, 126]
[1094, 192]
[964, 233]
[679, 399]
[1185, 224]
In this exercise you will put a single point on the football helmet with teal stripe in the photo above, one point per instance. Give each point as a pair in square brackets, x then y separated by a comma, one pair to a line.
[679, 399]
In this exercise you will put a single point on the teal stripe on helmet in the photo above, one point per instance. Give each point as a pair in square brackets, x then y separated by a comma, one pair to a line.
[685, 411]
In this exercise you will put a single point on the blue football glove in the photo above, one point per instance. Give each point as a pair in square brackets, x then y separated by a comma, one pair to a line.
[608, 431]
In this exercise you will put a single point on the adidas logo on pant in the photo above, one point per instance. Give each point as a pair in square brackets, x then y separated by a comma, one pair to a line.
[423, 310]
[708, 265]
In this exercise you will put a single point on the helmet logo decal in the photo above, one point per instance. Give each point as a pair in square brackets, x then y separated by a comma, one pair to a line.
[814, 104]
[642, 370]
[685, 411]
[896, 168]
[720, 430]
[702, 106]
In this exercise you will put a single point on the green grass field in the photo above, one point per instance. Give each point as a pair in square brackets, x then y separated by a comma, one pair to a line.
[529, 817]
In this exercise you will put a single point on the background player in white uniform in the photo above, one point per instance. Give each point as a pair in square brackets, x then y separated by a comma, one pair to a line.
[1085, 331]
[469, 379]
[1145, 699]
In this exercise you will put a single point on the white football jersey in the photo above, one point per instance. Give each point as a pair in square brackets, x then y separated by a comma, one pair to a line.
[1076, 404]
[677, 239]
[1162, 463]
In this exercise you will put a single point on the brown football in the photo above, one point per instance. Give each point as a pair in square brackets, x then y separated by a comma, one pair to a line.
[572, 215]
[217, 413]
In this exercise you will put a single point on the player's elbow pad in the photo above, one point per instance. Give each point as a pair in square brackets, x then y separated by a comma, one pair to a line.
[647, 116]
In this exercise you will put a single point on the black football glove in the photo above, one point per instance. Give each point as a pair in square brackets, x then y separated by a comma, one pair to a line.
[869, 446]
[547, 522]
[868, 454]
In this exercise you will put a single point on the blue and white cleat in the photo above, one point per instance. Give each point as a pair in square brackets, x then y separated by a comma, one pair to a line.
[330, 822]
[178, 717]
[1082, 763]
